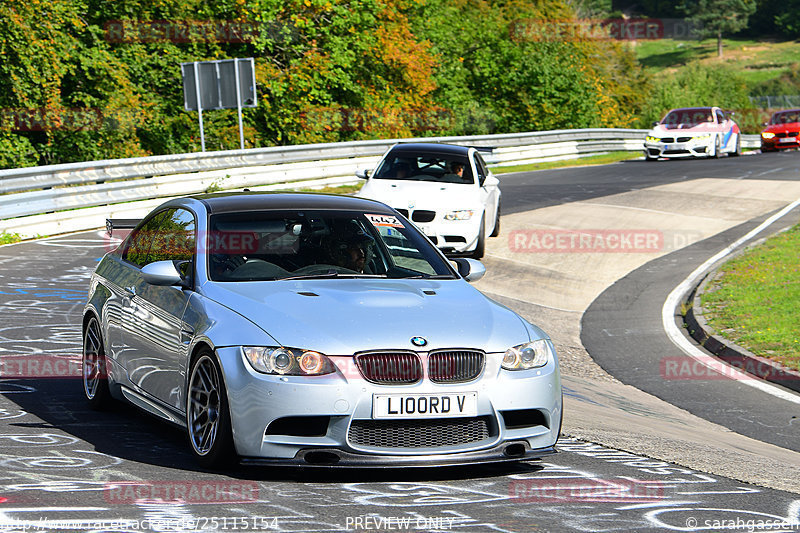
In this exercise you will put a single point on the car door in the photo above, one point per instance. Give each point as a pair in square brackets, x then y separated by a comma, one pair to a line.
[489, 191]
[155, 336]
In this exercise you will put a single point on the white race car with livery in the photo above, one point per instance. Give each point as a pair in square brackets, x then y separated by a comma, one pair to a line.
[693, 132]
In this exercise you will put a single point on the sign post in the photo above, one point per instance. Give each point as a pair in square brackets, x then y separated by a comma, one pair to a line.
[224, 84]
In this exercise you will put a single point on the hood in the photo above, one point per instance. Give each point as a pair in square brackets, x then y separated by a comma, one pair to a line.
[672, 129]
[344, 316]
[780, 128]
[402, 194]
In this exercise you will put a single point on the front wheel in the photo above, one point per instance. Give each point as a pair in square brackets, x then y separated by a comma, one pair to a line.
[207, 415]
[496, 230]
[738, 151]
[481, 246]
[716, 147]
[95, 376]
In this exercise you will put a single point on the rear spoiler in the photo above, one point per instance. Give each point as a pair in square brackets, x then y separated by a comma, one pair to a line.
[121, 223]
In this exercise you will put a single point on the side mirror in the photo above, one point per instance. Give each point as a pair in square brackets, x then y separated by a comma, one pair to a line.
[362, 174]
[656, 123]
[163, 273]
[470, 269]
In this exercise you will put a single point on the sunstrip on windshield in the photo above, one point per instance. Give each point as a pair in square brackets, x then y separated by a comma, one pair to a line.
[387, 221]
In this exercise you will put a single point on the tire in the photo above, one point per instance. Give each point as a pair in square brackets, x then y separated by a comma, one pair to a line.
[208, 421]
[716, 147]
[481, 246]
[94, 373]
[738, 151]
[496, 230]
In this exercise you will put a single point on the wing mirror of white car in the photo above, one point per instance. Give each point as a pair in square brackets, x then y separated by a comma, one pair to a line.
[362, 173]
[491, 180]
[162, 273]
[470, 269]
[656, 123]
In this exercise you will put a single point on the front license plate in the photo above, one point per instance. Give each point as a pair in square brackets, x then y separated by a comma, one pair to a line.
[452, 404]
[786, 140]
[674, 147]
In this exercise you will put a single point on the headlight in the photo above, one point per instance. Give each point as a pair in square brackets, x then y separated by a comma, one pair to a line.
[651, 139]
[287, 361]
[529, 355]
[459, 215]
[702, 138]
[767, 135]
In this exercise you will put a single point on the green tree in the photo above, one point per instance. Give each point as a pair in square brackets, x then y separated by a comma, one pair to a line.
[718, 17]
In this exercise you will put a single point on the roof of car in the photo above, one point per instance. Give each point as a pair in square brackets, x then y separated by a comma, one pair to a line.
[435, 148]
[258, 201]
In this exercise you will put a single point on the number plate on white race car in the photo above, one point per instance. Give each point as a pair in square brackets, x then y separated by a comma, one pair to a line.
[452, 404]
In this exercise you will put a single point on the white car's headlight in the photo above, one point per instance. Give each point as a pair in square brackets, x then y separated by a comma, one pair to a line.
[651, 139]
[287, 361]
[465, 214]
[702, 138]
[529, 355]
[768, 135]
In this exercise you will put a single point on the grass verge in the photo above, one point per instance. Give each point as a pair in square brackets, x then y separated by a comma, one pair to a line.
[336, 189]
[8, 238]
[753, 300]
[602, 159]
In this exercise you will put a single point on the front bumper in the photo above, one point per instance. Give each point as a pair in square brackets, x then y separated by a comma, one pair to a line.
[332, 404]
[782, 143]
[453, 236]
[686, 147]
[331, 457]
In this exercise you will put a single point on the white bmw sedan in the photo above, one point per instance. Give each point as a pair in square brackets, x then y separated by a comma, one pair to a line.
[446, 190]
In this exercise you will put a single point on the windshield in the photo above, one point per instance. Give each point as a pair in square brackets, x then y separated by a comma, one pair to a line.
[786, 117]
[275, 245]
[689, 117]
[426, 167]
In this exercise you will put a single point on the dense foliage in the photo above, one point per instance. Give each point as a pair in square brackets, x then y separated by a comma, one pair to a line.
[90, 79]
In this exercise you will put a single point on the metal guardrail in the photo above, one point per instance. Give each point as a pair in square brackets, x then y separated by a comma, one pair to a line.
[43, 200]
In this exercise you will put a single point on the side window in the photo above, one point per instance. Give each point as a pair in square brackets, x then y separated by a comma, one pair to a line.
[174, 238]
[140, 240]
[170, 235]
[481, 169]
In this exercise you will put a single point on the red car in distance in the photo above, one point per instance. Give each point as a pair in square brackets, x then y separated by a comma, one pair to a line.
[781, 131]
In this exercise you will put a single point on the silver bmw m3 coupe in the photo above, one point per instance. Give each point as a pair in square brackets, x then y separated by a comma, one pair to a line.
[314, 329]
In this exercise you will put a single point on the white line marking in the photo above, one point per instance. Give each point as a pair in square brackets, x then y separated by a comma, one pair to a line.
[677, 337]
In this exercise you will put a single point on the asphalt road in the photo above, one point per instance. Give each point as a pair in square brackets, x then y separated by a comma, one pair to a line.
[66, 468]
[623, 332]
